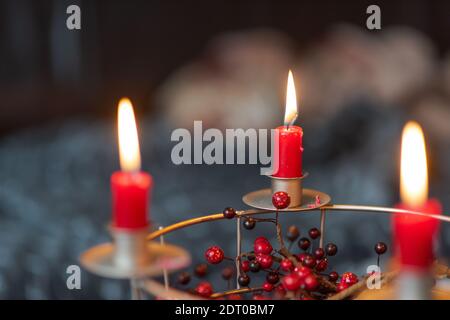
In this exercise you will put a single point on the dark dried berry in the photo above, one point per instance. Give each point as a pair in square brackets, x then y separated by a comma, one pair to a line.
[333, 276]
[293, 233]
[272, 277]
[331, 249]
[201, 270]
[319, 253]
[304, 243]
[184, 278]
[314, 233]
[255, 266]
[244, 280]
[381, 248]
[227, 273]
[229, 213]
[249, 223]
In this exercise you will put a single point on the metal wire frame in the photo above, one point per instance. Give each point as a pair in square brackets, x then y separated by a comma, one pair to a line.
[331, 207]
[250, 212]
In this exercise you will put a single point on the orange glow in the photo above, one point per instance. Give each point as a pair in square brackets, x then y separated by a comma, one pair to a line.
[413, 171]
[130, 156]
[291, 102]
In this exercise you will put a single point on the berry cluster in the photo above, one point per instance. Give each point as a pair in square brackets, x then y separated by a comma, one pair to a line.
[280, 272]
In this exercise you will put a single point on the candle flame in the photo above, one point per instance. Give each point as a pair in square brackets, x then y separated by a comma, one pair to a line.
[291, 102]
[413, 171]
[130, 157]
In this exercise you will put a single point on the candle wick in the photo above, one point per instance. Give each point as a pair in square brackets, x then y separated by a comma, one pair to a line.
[291, 123]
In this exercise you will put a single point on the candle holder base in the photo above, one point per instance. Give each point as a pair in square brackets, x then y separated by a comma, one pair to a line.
[102, 260]
[292, 186]
[262, 199]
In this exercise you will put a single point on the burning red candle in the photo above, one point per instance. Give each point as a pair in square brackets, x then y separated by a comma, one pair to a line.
[414, 235]
[130, 186]
[288, 158]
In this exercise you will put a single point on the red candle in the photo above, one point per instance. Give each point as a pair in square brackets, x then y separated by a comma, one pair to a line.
[414, 235]
[288, 160]
[288, 154]
[130, 187]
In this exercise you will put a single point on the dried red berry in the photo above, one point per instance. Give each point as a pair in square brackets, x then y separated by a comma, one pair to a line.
[302, 271]
[263, 247]
[245, 265]
[264, 260]
[301, 257]
[267, 286]
[201, 270]
[281, 200]
[214, 255]
[286, 265]
[341, 286]
[309, 261]
[319, 253]
[310, 282]
[291, 282]
[204, 289]
[322, 264]
[349, 278]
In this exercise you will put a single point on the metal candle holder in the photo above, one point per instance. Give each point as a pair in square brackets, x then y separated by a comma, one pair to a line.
[129, 257]
[154, 288]
[301, 198]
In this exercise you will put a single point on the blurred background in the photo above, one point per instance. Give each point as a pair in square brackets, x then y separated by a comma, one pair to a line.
[225, 63]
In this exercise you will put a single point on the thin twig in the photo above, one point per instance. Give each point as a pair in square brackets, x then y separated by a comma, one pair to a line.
[283, 250]
[237, 291]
